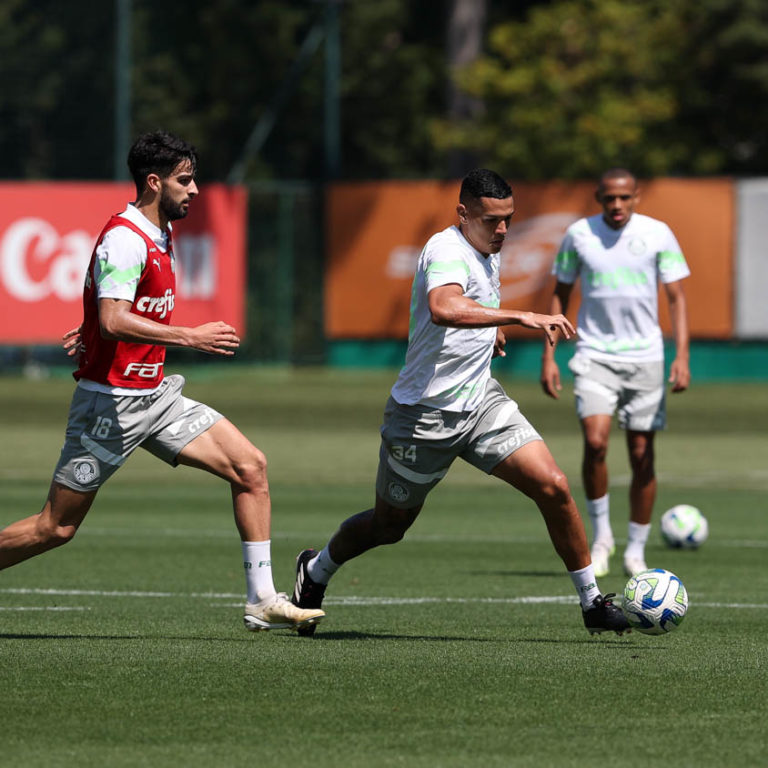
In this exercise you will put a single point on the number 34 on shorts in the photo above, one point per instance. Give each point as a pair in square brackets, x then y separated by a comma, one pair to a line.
[404, 453]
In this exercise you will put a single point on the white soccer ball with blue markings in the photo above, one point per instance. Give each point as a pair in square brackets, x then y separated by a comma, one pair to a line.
[684, 527]
[655, 602]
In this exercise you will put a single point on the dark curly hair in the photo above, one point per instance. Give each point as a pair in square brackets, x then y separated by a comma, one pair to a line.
[158, 152]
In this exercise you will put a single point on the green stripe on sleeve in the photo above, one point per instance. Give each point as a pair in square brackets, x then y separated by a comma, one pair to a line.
[567, 261]
[448, 266]
[670, 259]
[115, 277]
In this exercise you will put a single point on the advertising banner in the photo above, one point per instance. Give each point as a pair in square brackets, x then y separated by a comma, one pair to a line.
[47, 234]
[377, 230]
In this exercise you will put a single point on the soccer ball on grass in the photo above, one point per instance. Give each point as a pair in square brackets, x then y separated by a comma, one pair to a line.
[684, 527]
[655, 601]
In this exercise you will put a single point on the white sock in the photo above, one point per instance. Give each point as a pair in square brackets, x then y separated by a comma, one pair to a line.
[321, 568]
[636, 539]
[586, 585]
[600, 517]
[257, 560]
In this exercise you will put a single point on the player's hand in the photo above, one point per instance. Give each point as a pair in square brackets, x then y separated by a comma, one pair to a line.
[217, 338]
[73, 342]
[499, 344]
[679, 375]
[550, 378]
[550, 324]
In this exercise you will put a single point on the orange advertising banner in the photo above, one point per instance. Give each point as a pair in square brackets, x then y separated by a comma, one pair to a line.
[47, 234]
[377, 230]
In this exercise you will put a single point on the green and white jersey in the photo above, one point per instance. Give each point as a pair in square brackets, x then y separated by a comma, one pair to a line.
[448, 368]
[620, 271]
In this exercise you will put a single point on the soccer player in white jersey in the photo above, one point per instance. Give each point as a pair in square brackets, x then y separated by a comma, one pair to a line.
[123, 400]
[620, 257]
[445, 405]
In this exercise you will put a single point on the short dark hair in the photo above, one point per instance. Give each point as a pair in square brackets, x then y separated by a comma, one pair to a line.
[158, 152]
[616, 173]
[483, 183]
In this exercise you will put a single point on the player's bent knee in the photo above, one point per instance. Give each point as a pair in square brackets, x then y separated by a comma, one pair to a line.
[556, 489]
[51, 536]
[392, 526]
[251, 470]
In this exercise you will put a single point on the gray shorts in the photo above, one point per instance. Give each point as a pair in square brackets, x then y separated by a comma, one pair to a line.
[104, 430]
[418, 445]
[635, 390]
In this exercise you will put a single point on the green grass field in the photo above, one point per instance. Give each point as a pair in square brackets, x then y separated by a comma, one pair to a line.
[461, 646]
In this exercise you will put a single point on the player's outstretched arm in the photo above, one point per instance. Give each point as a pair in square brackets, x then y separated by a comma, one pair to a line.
[449, 307]
[119, 323]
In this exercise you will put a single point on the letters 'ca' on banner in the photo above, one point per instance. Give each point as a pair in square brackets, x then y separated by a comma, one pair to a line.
[377, 230]
[47, 235]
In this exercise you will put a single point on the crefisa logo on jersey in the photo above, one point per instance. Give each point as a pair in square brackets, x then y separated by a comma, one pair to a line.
[398, 492]
[85, 472]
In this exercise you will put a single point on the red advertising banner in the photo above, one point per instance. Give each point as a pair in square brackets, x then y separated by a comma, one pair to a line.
[377, 230]
[47, 234]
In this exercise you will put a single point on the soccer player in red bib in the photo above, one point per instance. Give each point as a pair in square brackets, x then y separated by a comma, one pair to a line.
[123, 400]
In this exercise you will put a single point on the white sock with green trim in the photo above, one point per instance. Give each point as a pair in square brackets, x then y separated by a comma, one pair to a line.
[586, 585]
[257, 560]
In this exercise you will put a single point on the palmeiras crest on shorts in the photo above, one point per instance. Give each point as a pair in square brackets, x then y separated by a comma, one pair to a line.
[84, 472]
[398, 492]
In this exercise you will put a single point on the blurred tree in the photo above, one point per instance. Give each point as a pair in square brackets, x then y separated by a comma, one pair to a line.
[55, 100]
[662, 86]
[564, 87]
[577, 86]
[722, 81]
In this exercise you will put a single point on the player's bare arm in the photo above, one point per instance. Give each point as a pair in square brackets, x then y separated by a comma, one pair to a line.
[451, 308]
[550, 371]
[679, 371]
[118, 322]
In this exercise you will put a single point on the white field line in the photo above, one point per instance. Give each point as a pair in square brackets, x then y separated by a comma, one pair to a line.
[351, 600]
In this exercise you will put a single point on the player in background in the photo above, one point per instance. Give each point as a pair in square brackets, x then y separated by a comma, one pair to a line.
[123, 400]
[620, 257]
[445, 405]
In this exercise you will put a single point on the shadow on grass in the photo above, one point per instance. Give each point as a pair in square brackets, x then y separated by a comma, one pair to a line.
[627, 643]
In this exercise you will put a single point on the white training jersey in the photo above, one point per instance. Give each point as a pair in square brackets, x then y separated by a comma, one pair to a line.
[619, 272]
[448, 368]
[121, 256]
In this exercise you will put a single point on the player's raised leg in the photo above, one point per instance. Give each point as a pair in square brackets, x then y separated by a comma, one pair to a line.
[56, 524]
[532, 470]
[384, 524]
[224, 451]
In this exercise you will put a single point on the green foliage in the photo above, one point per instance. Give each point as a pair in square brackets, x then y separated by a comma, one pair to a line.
[669, 88]
[568, 87]
[574, 88]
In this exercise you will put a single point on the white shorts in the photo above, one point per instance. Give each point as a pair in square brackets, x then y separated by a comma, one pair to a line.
[104, 430]
[418, 445]
[634, 390]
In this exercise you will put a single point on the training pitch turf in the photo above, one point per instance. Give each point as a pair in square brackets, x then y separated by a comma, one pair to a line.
[461, 646]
